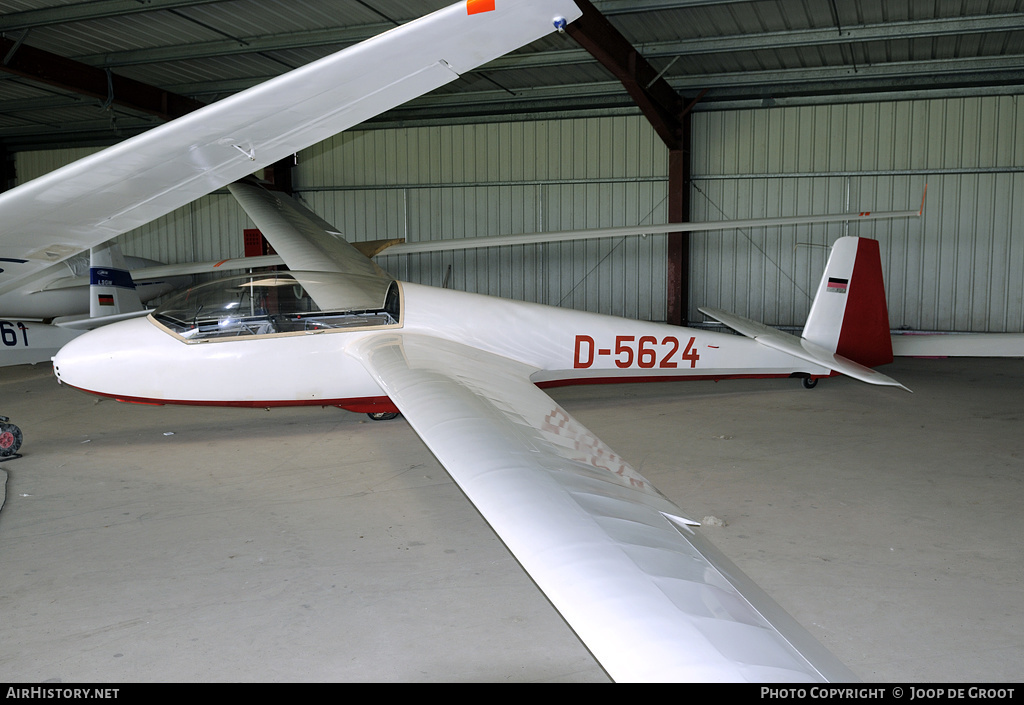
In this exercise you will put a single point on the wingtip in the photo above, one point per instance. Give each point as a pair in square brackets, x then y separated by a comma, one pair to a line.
[890, 382]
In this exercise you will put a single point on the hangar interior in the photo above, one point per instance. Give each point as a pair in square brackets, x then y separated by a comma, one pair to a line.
[244, 549]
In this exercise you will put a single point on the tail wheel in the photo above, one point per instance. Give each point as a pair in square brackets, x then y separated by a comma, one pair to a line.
[10, 439]
[810, 382]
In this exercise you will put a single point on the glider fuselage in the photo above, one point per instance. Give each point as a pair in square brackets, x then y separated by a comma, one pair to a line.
[144, 361]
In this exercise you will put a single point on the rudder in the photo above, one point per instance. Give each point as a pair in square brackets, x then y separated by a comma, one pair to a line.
[849, 315]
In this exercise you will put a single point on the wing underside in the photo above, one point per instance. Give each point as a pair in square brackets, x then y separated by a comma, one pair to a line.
[641, 589]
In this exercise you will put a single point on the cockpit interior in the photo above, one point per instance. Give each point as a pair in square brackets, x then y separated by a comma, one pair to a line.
[277, 303]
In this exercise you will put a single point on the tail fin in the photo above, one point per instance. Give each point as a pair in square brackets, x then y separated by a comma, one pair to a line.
[111, 288]
[849, 314]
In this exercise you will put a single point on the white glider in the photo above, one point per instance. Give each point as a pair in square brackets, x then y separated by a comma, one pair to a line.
[632, 577]
[635, 580]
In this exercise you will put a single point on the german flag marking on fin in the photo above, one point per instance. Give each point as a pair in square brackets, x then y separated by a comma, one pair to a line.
[475, 7]
[837, 285]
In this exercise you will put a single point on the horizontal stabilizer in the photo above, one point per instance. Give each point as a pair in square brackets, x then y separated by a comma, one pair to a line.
[800, 348]
[85, 322]
[372, 248]
[163, 271]
[160, 272]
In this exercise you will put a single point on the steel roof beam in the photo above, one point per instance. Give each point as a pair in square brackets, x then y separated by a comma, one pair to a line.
[937, 73]
[331, 37]
[629, 7]
[989, 70]
[74, 76]
[96, 9]
[918, 29]
[657, 100]
[933, 73]
[97, 131]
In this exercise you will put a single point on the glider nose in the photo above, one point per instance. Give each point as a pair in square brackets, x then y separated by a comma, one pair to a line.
[109, 360]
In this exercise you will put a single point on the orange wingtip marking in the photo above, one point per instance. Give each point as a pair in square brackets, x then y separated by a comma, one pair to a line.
[475, 7]
[864, 213]
[219, 263]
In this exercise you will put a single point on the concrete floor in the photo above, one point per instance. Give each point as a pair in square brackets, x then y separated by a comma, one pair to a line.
[178, 544]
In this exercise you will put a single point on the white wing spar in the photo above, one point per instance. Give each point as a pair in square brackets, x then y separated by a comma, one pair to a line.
[469, 243]
[649, 598]
[101, 196]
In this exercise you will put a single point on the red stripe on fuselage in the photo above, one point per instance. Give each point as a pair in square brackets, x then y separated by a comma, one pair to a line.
[375, 404]
[357, 404]
[572, 382]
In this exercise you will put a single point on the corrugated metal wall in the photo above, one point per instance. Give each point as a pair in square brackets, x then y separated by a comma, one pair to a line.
[434, 183]
[30, 165]
[957, 268]
[207, 230]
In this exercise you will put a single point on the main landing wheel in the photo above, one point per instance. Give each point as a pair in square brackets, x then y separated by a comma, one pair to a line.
[10, 438]
[810, 382]
[383, 415]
